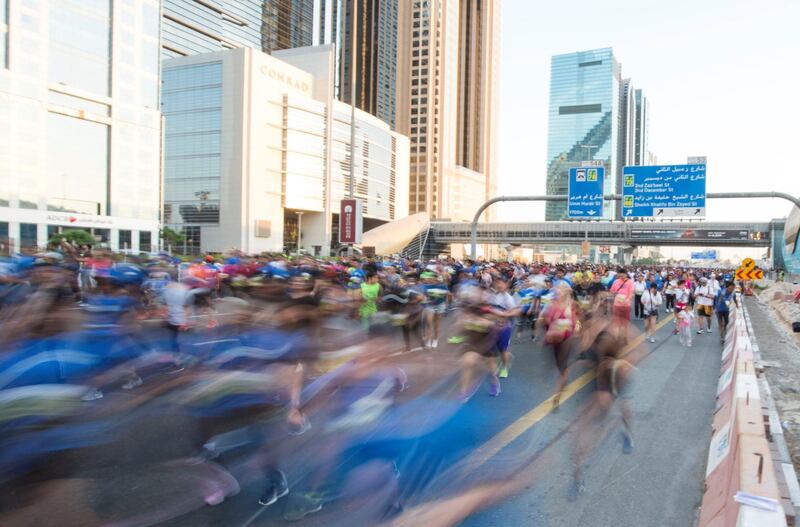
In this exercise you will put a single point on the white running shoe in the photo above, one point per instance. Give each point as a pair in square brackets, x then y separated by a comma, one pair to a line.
[708, 331]
[652, 340]
[132, 383]
[700, 331]
[435, 343]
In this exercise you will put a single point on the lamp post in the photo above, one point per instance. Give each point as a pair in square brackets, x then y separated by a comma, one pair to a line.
[299, 229]
[353, 95]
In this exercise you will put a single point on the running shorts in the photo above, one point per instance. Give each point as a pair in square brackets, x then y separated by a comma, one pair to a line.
[705, 311]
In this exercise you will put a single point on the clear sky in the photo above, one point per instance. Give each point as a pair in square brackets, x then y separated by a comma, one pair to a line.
[722, 76]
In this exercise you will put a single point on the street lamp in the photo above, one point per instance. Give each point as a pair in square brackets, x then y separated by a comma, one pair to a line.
[353, 94]
[588, 151]
[299, 228]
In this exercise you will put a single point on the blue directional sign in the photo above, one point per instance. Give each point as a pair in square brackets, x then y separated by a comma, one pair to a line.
[585, 192]
[710, 254]
[663, 191]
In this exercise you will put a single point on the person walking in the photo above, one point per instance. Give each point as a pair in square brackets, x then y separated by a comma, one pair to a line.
[704, 298]
[639, 287]
[670, 285]
[722, 305]
[651, 303]
[685, 320]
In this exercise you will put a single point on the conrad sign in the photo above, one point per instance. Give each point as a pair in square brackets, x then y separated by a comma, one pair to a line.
[284, 78]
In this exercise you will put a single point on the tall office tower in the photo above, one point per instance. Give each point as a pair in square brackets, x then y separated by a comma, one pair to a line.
[584, 121]
[641, 128]
[378, 63]
[191, 27]
[626, 146]
[450, 104]
[286, 24]
[81, 123]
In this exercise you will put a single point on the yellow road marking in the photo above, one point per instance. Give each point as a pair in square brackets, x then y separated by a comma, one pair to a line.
[502, 439]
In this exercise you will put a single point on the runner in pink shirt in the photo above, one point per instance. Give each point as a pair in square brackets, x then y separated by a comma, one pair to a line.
[621, 292]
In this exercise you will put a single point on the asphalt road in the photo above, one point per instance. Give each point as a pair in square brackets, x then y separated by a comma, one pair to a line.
[487, 439]
[660, 483]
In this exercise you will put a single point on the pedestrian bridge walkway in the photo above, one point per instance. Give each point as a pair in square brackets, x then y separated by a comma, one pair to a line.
[611, 233]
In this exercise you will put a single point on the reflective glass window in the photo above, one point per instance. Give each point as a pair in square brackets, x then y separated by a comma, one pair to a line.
[27, 235]
[191, 102]
[145, 241]
[77, 164]
[124, 240]
[80, 44]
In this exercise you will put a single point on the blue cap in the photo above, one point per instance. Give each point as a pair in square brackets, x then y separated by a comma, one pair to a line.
[124, 273]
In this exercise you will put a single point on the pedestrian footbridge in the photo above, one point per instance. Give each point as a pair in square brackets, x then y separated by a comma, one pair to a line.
[418, 236]
[610, 233]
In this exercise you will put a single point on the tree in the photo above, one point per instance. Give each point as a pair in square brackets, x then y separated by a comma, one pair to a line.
[73, 236]
[646, 261]
[171, 237]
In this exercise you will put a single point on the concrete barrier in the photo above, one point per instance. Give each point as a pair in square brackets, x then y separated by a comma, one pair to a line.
[741, 487]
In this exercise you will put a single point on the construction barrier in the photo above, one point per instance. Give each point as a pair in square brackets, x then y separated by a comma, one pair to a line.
[741, 488]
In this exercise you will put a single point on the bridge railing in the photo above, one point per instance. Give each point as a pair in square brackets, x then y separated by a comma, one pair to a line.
[608, 197]
[602, 232]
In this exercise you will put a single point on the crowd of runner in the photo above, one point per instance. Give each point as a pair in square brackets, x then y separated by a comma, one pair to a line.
[272, 361]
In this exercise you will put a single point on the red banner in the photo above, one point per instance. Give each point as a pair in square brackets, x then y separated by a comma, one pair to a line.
[350, 221]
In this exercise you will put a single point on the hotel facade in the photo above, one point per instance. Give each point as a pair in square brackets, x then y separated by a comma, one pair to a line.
[257, 152]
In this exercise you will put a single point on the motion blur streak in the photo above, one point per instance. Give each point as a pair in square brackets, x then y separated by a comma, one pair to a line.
[271, 390]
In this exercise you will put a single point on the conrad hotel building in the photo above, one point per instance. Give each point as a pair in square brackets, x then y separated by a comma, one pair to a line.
[257, 152]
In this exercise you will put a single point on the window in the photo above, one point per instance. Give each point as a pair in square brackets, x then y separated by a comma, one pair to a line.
[590, 63]
[145, 241]
[27, 235]
[4, 242]
[102, 236]
[580, 108]
[192, 239]
[263, 229]
[77, 165]
[124, 239]
[80, 44]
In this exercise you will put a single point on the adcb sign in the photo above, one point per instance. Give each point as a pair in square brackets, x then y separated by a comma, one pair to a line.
[350, 221]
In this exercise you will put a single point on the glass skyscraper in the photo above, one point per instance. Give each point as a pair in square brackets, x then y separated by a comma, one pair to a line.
[191, 27]
[641, 128]
[378, 28]
[584, 121]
